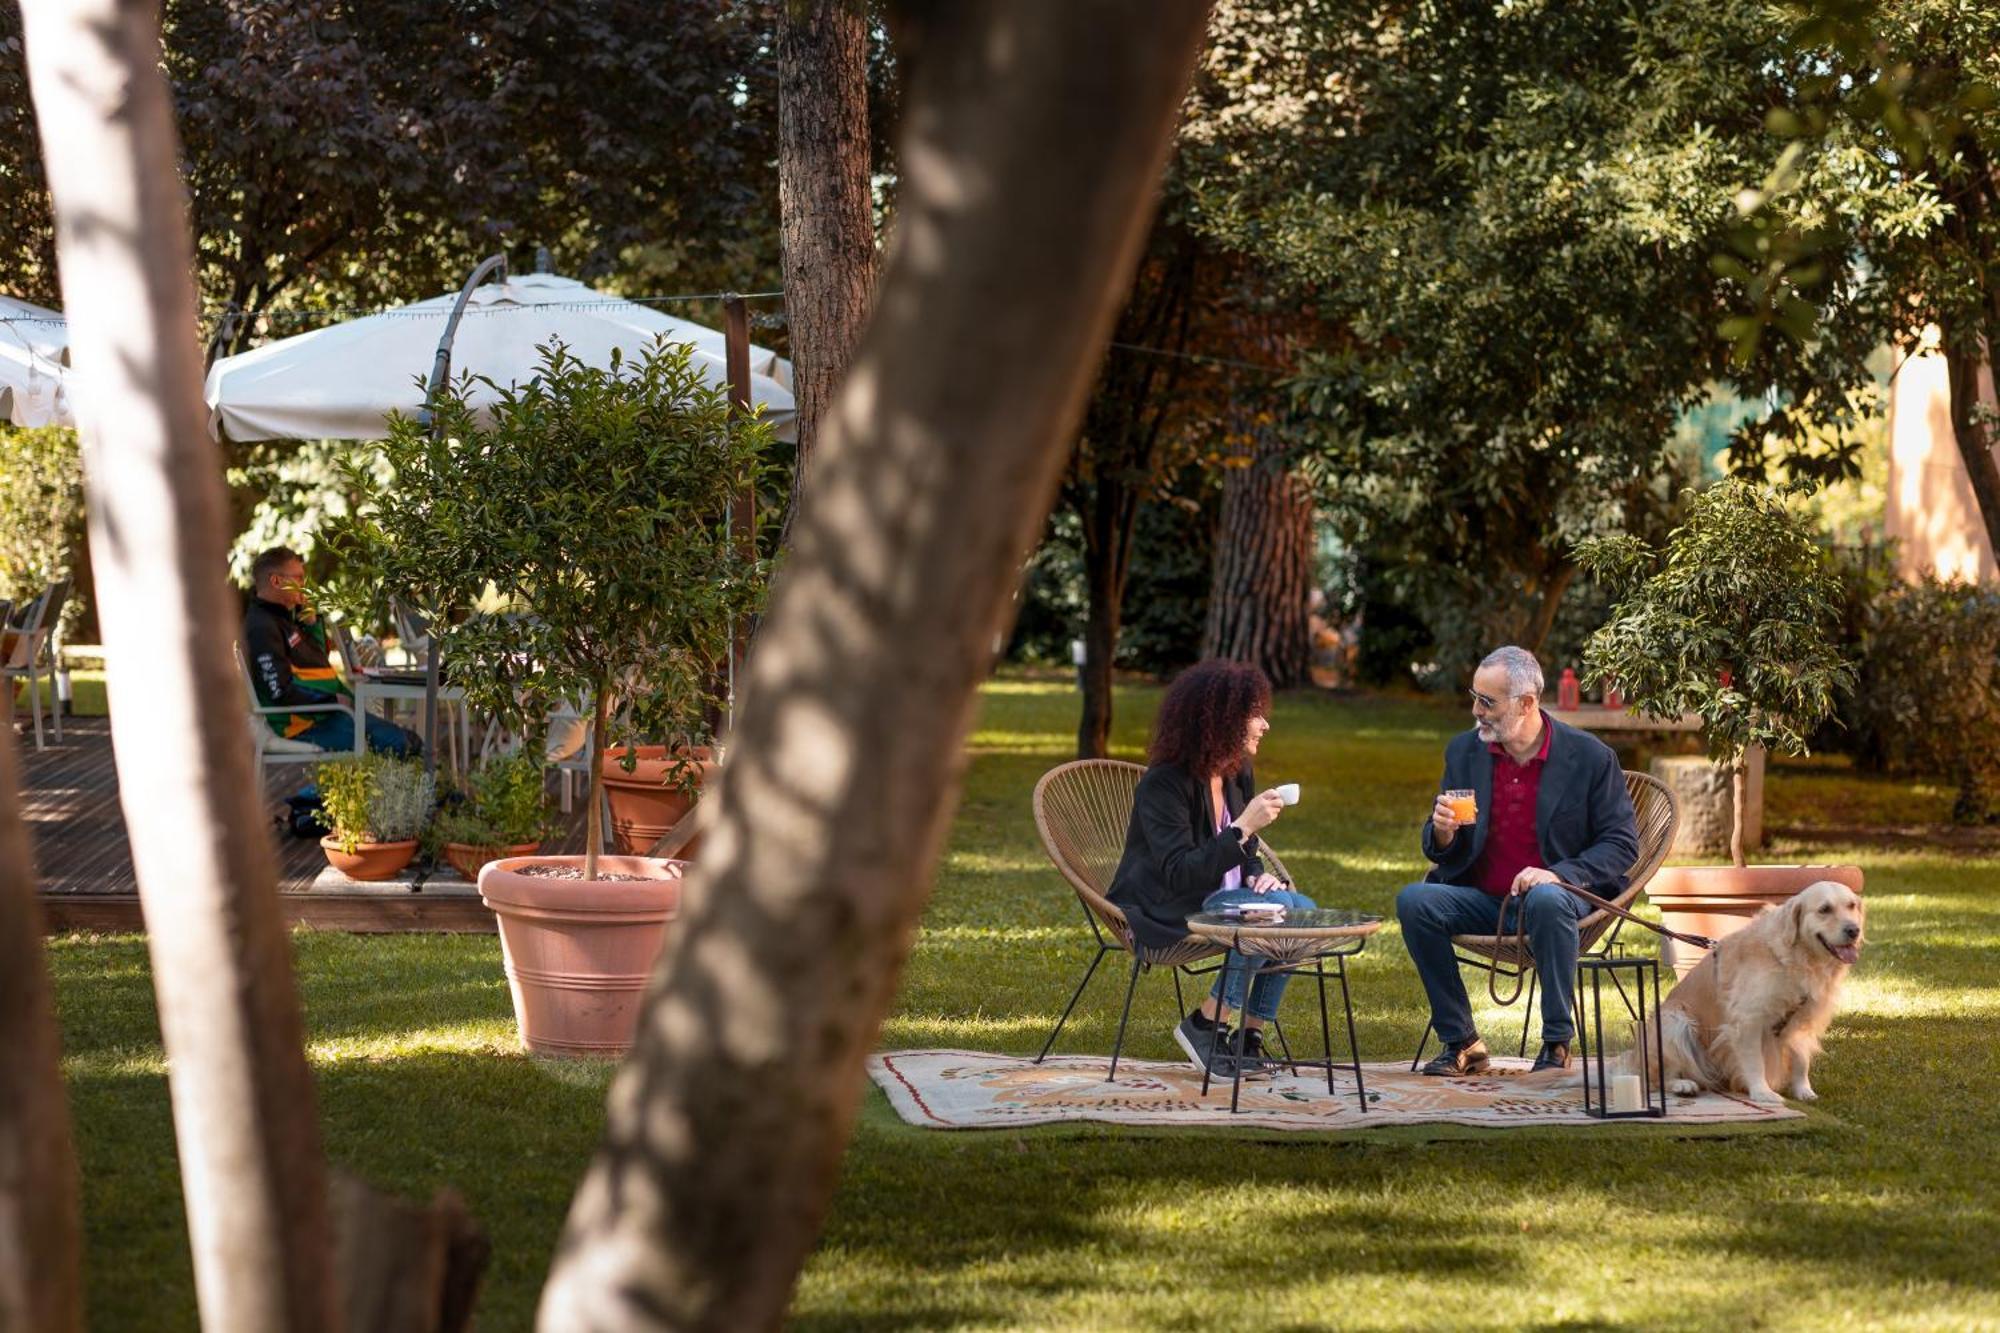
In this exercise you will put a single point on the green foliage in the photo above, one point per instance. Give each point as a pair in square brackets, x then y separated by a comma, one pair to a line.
[1740, 588]
[1506, 216]
[341, 154]
[1929, 690]
[41, 512]
[376, 798]
[504, 805]
[593, 504]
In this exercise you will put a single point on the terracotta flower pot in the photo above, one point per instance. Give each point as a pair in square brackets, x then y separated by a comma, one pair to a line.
[644, 805]
[369, 860]
[467, 858]
[1720, 900]
[578, 952]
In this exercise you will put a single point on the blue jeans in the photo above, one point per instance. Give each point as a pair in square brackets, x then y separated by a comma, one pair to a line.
[1432, 913]
[335, 731]
[1266, 988]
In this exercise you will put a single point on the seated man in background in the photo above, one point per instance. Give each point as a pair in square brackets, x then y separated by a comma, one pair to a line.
[1551, 805]
[284, 645]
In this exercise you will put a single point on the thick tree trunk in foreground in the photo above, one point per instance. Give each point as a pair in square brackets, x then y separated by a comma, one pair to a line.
[1034, 136]
[40, 1236]
[1257, 602]
[825, 213]
[250, 1155]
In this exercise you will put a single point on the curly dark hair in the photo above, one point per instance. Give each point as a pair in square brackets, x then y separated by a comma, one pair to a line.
[1205, 715]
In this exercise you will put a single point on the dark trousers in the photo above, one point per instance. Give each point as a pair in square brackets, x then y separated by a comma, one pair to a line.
[1432, 913]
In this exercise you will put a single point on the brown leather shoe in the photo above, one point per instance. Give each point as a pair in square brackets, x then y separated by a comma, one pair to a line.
[1554, 1055]
[1460, 1061]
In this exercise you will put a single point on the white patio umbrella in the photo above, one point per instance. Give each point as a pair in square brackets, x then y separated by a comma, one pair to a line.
[35, 381]
[341, 382]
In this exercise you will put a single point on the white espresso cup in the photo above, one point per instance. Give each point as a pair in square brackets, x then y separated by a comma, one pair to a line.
[1288, 793]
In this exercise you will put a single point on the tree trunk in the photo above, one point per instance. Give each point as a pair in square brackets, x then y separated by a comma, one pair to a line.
[1257, 603]
[825, 211]
[40, 1236]
[1965, 353]
[1107, 556]
[1034, 137]
[251, 1165]
[1555, 583]
[1739, 801]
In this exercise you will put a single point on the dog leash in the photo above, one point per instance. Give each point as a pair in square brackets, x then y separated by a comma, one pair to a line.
[1520, 937]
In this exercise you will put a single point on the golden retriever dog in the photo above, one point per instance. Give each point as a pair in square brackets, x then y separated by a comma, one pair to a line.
[1749, 1016]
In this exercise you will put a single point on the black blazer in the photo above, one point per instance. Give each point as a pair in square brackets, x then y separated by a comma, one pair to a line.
[1583, 814]
[1173, 857]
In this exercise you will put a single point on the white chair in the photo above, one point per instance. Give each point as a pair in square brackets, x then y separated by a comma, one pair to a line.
[271, 748]
[24, 652]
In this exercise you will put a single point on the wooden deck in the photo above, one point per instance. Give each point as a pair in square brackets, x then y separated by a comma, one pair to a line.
[84, 864]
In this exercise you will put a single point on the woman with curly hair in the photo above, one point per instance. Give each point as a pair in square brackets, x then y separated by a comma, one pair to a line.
[1192, 846]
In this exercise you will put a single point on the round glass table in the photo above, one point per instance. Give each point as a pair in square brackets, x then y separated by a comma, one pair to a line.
[1300, 939]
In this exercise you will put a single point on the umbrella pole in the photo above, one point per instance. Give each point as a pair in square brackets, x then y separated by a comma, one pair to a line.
[440, 372]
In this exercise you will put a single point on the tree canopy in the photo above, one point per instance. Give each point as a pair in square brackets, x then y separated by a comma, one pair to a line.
[1509, 219]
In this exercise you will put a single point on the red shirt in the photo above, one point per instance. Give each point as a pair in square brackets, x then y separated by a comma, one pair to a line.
[1511, 844]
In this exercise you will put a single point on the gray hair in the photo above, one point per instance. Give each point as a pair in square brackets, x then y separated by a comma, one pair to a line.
[1524, 673]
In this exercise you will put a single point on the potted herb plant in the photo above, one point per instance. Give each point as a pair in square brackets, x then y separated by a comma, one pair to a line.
[375, 806]
[502, 812]
[1734, 619]
[589, 512]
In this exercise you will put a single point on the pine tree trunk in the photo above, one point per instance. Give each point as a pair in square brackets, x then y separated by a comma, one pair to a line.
[1258, 599]
[825, 212]
[1035, 135]
[40, 1235]
[244, 1120]
[1965, 353]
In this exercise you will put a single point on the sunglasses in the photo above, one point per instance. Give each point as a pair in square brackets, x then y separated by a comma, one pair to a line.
[1486, 701]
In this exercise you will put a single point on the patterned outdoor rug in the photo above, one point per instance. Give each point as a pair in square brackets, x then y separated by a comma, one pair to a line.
[980, 1090]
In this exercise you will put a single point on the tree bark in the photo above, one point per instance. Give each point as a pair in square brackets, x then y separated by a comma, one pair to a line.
[1965, 352]
[1107, 555]
[1739, 801]
[244, 1119]
[1555, 583]
[40, 1235]
[825, 209]
[1258, 600]
[1034, 137]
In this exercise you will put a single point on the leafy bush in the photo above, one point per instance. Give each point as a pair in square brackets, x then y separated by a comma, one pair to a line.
[41, 513]
[376, 798]
[502, 806]
[594, 504]
[1928, 701]
[1733, 619]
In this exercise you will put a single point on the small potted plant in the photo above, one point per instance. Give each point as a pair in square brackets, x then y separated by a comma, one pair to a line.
[1733, 619]
[375, 806]
[589, 511]
[501, 812]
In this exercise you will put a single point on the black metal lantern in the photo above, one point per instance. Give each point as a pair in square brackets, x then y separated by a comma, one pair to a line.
[1637, 983]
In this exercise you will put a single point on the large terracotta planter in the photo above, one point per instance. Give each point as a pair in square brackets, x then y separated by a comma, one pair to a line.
[643, 804]
[1720, 900]
[469, 858]
[369, 860]
[578, 952]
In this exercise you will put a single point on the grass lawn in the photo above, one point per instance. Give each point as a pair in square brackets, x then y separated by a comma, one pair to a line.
[1882, 1214]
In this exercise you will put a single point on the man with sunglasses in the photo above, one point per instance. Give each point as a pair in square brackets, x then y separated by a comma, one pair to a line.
[1551, 805]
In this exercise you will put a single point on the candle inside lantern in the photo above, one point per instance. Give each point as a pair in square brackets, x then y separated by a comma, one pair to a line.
[1626, 1094]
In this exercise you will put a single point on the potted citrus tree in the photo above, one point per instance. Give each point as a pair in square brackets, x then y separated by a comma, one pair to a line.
[501, 812]
[586, 515]
[375, 807]
[1733, 619]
